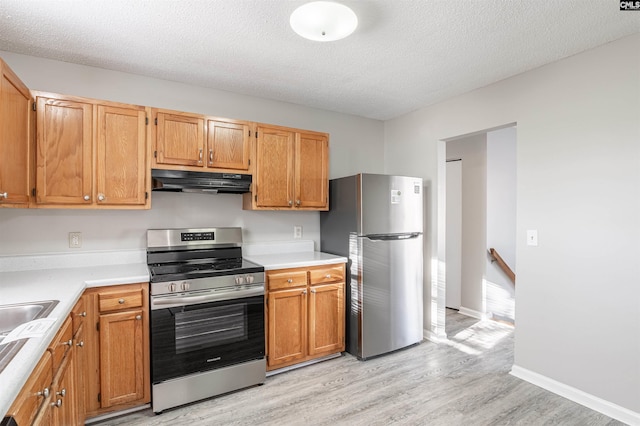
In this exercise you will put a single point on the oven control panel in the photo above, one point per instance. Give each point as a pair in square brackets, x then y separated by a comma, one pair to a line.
[197, 236]
[237, 282]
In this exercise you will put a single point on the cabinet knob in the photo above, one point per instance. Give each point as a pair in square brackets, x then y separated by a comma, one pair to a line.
[62, 393]
[58, 403]
[304, 291]
[44, 393]
[138, 317]
[297, 202]
[68, 342]
[327, 276]
[86, 198]
[121, 301]
[80, 343]
[313, 290]
[101, 197]
[4, 195]
[289, 280]
[83, 314]
[290, 202]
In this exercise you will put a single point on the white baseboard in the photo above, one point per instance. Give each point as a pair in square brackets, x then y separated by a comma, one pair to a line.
[576, 395]
[433, 337]
[471, 313]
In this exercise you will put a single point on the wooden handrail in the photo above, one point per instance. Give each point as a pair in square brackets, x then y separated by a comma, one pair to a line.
[503, 265]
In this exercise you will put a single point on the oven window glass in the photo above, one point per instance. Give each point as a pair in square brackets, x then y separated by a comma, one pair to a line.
[209, 327]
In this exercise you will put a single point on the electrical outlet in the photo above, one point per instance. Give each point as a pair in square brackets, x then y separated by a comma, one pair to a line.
[532, 237]
[297, 231]
[75, 239]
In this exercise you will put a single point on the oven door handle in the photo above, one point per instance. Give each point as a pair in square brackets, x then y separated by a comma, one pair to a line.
[158, 302]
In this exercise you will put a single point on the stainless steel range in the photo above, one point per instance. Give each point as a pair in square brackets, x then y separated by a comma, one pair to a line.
[207, 315]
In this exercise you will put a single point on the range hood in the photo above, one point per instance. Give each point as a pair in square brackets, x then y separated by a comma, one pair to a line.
[204, 182]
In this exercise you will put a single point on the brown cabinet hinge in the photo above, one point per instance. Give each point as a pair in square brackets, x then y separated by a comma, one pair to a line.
[256, 135]
[33, 192]
[156, 121]
[98, 326]
[146, 195]
[33, 107]
[249, 161]
[155, 154]
[99, 397]
[256, 198]
[146, 120]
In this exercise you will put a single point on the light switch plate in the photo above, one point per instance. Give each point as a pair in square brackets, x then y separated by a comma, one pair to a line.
[297, 231]
[532, 237]
[75, 239]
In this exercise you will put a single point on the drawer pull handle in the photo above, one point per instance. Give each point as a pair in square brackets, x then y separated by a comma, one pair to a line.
[43, 393]
[121, 301]
[138, 317]
[289, 280]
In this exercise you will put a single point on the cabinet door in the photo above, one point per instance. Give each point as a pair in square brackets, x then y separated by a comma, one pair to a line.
[15, 139]
[311, 172]
[227, 145]
[274, 168]
[80, 373]
[64, 398]
[179, 139]
[120, 167]
[121, 358]
[64, 157]
[287, 313]
[326, 318]
[33, 400]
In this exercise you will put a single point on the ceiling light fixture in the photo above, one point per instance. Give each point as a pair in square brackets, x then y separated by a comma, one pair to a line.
[323, 21]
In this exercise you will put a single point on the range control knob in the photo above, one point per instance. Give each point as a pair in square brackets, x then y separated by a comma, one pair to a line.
[239, 279]
[172, 287]
[248, 279]
[185, 286]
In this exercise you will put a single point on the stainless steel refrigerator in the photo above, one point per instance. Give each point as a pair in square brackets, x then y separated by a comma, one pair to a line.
[376, 221]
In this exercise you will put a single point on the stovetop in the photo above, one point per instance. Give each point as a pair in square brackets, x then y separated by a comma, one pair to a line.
[209, 268]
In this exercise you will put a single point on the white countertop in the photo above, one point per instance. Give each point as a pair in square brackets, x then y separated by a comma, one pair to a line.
[65, 285]
[295, 260]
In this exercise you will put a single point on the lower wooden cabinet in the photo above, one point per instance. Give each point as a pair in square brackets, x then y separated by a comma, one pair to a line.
[117, 343]
[304, 314]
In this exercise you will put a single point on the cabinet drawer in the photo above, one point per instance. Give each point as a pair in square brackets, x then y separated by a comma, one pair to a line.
[328, 274]
[61, 343]
[78, 314]
[286, 279]
[119, 301]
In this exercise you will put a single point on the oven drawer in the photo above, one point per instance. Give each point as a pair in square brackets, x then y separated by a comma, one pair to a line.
[286, 279]
[328, 274]
[121, 300]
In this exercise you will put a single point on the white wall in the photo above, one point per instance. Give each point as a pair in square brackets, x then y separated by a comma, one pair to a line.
[578, 165]
[473, 152]
[356, 145]
[501, 221]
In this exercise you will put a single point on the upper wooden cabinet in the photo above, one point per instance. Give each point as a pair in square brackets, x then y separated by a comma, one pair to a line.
[199, 143]
[291, 170]
[90, 153]
[16, 140]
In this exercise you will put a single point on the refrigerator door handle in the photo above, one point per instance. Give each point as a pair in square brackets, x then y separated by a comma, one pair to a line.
[393, 237]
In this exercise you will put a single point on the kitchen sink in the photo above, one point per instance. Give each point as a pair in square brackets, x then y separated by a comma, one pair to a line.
[12, 316]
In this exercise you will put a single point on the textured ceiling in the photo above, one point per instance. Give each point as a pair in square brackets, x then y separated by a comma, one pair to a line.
[405, 54]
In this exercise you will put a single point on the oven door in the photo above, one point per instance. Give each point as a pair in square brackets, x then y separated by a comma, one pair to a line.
[205, 336]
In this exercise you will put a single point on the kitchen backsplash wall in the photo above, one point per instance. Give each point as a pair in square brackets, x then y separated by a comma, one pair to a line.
[31, 231]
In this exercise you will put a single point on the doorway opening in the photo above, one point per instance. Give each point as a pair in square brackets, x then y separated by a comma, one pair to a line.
[480, 200]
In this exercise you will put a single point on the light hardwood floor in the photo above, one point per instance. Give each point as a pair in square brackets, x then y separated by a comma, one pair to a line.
[464, 381]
